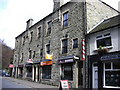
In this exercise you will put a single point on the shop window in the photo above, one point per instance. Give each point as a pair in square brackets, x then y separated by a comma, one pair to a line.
[67, 72]
[104, 42]
[65, 19]
[112, 75]
[46, 72]
[116, 65]
[48, 48]
[64, 46]
[107, 65]
[75, 43]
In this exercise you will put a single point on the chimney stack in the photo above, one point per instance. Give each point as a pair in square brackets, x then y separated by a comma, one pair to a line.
[29, 23]
[57, 4]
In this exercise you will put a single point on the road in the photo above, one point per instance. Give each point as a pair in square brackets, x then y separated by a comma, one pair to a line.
[9, 83]
[6, 83]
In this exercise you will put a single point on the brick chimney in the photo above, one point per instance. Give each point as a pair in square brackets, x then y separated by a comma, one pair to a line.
[57, 4]
[29, 23]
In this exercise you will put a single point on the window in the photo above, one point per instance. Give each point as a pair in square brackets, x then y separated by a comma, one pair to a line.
[48, 48]
[65, 19]
[31, 37]
[23, 42]
[104, 42]
[75, 43]
[49, 27]
[39, 32]
[67, 71]
[22, 57]
[30, 54]
[112, 74]
[64, 46]
[34, 54]
[46, 72]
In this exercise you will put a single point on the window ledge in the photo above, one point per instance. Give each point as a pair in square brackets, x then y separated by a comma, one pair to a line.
[108, 47]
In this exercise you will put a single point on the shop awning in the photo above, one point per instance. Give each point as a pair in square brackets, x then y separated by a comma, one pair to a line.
[46, 62]
[21, 65]
[36, 62]
[28, 65]
[67, 59]
[11, 66]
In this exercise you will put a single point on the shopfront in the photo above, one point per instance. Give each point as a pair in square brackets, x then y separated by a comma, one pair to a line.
[28, 72]
[69, 70]
[36, 71]
[46, 66]
[66, 70]
[104, 70]
[20, 70]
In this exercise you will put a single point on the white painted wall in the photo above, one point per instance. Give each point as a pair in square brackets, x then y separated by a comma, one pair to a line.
[115, 34]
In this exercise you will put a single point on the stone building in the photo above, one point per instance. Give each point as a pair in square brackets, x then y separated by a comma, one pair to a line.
[59, 34]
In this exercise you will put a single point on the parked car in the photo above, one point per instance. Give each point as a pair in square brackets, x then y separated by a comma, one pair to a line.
[6, 74]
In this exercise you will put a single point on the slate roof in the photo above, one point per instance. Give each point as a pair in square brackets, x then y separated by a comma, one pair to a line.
[106, 24]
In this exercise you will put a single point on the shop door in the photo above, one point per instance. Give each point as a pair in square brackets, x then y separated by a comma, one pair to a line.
[95, 76]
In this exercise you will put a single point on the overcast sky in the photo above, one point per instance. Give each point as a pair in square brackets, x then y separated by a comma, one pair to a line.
[15, 13]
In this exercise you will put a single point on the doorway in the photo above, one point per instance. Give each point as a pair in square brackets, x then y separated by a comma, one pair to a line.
[95, 76]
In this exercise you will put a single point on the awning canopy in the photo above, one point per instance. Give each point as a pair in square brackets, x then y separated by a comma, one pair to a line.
[11, 66]
[46, 62]
[67, 59]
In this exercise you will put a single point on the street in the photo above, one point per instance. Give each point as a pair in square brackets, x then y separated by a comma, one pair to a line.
[10, 84]
[13, 84]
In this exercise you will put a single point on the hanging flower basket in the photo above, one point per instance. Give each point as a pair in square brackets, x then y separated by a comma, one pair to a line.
[102, 50]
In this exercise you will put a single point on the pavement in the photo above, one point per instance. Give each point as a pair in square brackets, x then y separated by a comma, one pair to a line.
[31, 84]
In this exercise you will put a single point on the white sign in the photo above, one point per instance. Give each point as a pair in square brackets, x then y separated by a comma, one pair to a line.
[64, 84]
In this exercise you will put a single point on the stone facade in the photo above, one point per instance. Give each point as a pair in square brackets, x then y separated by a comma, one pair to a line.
[80, 18]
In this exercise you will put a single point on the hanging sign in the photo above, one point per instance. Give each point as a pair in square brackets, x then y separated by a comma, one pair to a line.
[48, 56]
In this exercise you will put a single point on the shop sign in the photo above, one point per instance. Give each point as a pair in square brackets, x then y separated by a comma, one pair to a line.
[11, 66]
[30, 61]
[65, 61]
[43, 63]
[110, 57]
[64, 84]
[48, 56]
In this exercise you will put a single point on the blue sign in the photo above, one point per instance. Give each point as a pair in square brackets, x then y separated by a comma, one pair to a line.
[110, 57]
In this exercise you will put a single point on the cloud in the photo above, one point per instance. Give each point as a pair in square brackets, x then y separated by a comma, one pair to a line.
[15, 13]
[13, 18]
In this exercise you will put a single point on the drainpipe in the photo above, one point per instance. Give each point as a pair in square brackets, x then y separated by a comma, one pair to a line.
[84, 37]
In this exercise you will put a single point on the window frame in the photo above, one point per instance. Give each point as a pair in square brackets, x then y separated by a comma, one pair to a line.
[47, 49]
[102, 37]
[111, 69]
[43, 70]
[66, 46]
[49, 27]
[73, 44]
[39, 29]
[65, 19]
[63, 71]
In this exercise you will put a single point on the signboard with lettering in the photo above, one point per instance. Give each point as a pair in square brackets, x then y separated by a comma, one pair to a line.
[110, 57]
[64, 84]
